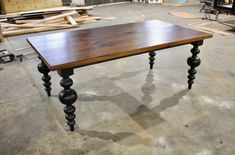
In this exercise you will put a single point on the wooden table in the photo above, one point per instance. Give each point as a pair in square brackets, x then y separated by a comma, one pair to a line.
[68, 50]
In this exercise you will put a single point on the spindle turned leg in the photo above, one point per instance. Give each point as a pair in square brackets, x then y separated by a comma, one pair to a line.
[193, 62]
[151, 58]
[42, 68]
[68, 96]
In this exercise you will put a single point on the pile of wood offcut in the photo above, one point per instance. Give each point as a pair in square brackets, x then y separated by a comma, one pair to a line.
[44, 20]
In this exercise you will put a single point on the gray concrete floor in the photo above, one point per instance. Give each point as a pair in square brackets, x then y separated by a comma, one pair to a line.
[123, 108]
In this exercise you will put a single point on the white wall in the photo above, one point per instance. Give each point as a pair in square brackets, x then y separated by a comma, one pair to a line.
[81, 2]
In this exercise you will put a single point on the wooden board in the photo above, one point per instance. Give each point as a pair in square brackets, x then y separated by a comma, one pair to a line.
[33, 30]
[55, 17]
[54, 9]
[10, 6]
[45, 25]
[7, 25]
[71, 20]
[216, 27]
[84, 47]
[184, 14]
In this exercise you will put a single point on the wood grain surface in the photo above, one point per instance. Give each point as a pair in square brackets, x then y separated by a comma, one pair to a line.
[85, 47]
[10, 6]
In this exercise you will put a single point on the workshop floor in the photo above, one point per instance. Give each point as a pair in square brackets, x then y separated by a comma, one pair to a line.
[123, 108]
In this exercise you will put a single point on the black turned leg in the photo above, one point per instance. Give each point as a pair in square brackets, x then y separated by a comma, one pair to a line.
[193, 62]
[151, 59]
[42, 68]
[68, 96]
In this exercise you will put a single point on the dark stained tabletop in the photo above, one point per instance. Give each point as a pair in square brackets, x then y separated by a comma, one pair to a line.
[84, 47]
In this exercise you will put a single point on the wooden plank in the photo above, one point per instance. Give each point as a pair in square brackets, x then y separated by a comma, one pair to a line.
[41, 27]
[51, 14]
[57, 21]
[54, 17]
[7, 25]
[33, 30]
[95, 45]
[38, 17]
[71, 20]
[25, 21]
[11, 6]
[1, 35]
[3, 20]
[87, 18]
[64, 8]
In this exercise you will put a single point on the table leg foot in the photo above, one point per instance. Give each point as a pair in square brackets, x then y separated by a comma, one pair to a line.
[42, 68]
[67, 97]
[193, 62]
[151, 59]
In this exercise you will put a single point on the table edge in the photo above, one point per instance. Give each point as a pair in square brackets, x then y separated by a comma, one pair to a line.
[91, 61]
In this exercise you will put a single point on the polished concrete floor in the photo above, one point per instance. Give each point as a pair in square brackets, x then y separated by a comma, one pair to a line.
[123, 108]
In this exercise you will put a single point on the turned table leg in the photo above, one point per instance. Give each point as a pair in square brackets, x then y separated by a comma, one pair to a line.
[68, 96]
[193, 62]
[151, 58]
[42, 68]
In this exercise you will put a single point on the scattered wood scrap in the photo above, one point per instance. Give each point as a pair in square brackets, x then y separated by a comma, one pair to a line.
[45, 20]
[71, 20]
[1, 35]
[47, 11]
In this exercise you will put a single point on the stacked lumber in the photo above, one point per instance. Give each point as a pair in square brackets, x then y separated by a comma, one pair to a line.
[45, 20]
